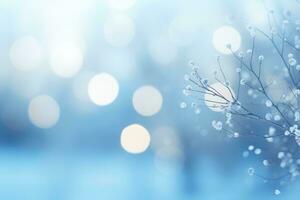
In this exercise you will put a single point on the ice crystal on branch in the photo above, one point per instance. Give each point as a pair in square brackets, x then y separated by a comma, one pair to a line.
[257, 97]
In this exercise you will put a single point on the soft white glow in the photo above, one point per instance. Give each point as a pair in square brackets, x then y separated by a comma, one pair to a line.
[164, 137]
[162, 50]
[43, 111]
[224, 37]
[135, 139]
[121, 4]
[103, 89]
[26, 53]
[183, 30]
[64, 20]
[217, 103]
[66, 60]
[147, 100]
[119, 30]
[256, 12]
[168, 150]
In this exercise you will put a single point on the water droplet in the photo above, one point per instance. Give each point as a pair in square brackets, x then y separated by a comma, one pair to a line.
[292, 61]
[218, 125]
[183, 105]
[268, 116]
[251, 171]
[257, 151]
[251, 148]
[271, 131]
[265, 162]
[269, 103]
[277, 117]
[290, 55]
[236, 135]
[249, 51]
[281, 155]
[287, 133]
[261, 58]
[277, 192]
[243, 82]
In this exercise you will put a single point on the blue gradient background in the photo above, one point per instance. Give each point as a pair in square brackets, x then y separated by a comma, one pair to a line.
[81, 157]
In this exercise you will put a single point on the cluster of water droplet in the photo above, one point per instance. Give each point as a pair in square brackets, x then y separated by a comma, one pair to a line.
[218, 125]
[292, 60]
[189, 89]
[287, 161]
[252, 149]
[294, 131]
[278, 117]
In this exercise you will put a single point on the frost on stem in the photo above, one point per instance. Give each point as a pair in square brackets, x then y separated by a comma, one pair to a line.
[249, 98]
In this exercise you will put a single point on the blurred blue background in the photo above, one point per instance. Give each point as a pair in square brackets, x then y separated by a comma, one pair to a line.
[147, 42]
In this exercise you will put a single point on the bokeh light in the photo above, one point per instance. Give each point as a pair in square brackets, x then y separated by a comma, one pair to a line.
[182, 30]
[217, 103]
[43, 111]
[226, 40]
[107, 81]
[103, 89]
[165, 137]
[259, 8]
[121, 4]
[119, 30]
[147, 100]
[26, 53]
[66, 59]
[135, 139]
[162, 50]
[168, 149]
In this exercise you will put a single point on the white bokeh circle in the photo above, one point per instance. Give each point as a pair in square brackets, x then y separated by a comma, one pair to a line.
[135, 139]
[43, 111]
[103, 89]
[147, 100]
[119, 30]
[26, 53]
[225, 37]
[217, 103]
[66, 60]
